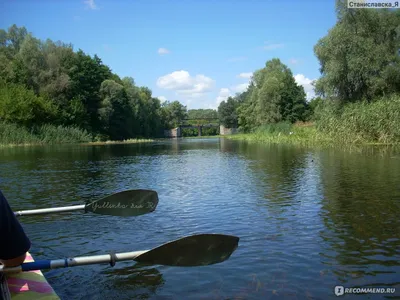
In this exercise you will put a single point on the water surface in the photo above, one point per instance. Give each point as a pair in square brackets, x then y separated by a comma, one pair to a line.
[307, 219]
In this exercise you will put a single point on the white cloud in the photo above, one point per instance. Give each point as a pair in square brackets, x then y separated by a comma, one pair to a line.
[185, 84]
[245, 75]
[162, 98]
[240, 88]
[163, 51]
[223, 94]
[307, 84]
[269, 46]
[90, 4]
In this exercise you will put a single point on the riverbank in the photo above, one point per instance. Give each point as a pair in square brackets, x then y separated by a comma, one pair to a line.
[129, 141]
[12, 135]
[305, 134]
[361, 123]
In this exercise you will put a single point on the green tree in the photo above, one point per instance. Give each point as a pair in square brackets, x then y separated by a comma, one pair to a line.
[272, 96]
[174, 113]
[115, 111]
[227, 113]
[21, 106]
[359, 57]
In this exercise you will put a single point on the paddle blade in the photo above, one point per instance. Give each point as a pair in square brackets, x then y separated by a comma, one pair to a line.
[195, 250]
[126, 203]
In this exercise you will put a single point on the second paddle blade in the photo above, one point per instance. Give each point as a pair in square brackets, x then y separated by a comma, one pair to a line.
[126, 203]
[195, 250]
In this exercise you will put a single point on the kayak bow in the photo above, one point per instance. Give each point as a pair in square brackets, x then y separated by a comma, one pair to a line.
[29, 285]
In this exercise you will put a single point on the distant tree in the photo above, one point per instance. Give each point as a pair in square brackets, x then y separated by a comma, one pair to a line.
[202, 113]
[227, 112]
[174, 113]
[272, 96]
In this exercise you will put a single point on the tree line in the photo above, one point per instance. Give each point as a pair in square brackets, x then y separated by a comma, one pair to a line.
[359, 63]
[47, 82]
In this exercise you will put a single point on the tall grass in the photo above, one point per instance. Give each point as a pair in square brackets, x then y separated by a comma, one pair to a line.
[12, 134]
[285, 133]
[377, 122]
[361, 122]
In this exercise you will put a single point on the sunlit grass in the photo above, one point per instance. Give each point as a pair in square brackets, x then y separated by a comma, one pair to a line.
[129, 141]
[284, 133]
[14, 135]
[362, 123]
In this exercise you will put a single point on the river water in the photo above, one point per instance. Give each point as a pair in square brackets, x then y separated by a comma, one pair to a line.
[308, 219]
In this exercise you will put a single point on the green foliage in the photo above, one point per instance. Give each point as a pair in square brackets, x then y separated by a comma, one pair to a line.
[359, 57]
[227, 113]
[13, 134]
[46, 82]
[205, 131]
[361, 122]
[202, 113]
[272, 97]
[173, 113]
[21, 106]
[286, 133]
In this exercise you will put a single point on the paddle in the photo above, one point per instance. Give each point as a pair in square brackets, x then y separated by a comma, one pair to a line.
[122, 204]
[190, 251]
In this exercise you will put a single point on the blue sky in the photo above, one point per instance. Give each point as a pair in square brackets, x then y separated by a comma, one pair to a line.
[198, 52]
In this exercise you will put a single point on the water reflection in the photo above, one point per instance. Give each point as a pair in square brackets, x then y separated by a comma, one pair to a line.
[137, 281]
[308, 219]
[360, 210]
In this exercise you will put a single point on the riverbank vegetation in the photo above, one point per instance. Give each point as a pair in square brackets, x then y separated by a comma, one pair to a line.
[50, 93]
[357, 96]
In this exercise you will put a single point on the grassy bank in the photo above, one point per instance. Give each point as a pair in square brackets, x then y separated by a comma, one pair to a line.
[14, 135]
[130, 141]
[358, 123]
[284, 133]
[377, 122]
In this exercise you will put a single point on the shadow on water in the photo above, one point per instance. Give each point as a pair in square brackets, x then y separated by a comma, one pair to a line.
[139, 281]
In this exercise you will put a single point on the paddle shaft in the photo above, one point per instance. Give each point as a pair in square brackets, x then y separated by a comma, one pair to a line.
[72, 262]
[194, 250]
[49, 210]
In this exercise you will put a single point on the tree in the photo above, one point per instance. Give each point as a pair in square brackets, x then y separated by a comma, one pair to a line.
[21, 106]
[174, 113]
[48, 82]
[202, 114]
[272, 96]
[227, 113]
[359, 57]
[114, 111]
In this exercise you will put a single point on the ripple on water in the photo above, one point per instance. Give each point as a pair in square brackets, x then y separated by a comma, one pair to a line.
[307, 220]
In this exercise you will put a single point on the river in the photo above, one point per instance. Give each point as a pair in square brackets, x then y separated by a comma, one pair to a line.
[308, 219]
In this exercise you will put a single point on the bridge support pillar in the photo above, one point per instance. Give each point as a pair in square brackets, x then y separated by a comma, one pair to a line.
[199, 127]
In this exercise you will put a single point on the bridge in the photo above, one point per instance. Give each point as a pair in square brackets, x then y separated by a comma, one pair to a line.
[198, 124]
